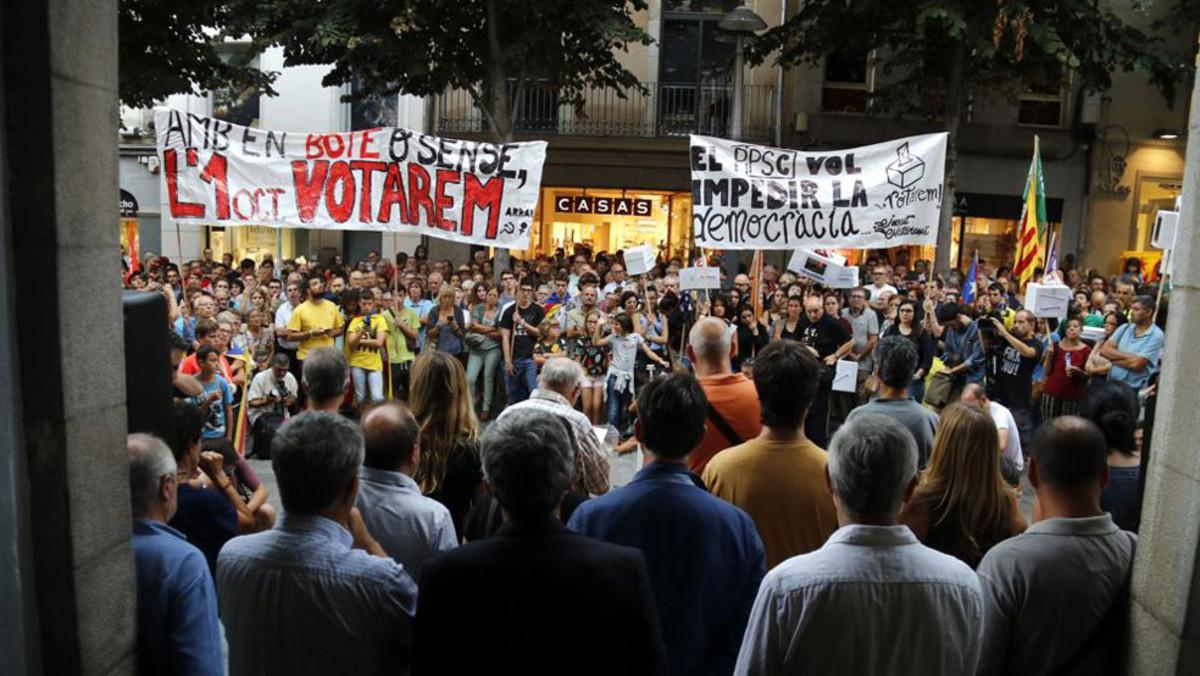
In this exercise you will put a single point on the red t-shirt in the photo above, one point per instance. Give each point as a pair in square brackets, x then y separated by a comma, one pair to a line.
[1060, 385]
[190, 367]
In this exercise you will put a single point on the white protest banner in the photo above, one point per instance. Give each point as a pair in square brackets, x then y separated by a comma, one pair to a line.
[639, 259]
[756, 197]
[700, 278]
[387, 179]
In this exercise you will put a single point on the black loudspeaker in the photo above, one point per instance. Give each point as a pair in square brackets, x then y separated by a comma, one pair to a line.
[148, 390]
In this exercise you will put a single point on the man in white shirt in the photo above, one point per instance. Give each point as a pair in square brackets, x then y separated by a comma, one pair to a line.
[872, 600]
[410, 527]
[283, 315]
[1012, 458]
[879, 279]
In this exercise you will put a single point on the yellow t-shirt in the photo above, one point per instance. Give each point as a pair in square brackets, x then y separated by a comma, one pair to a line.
[309, 316]
[781, 485]
[366, 358]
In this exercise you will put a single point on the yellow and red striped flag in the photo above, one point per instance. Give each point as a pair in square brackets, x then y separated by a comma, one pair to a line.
[1033, 221]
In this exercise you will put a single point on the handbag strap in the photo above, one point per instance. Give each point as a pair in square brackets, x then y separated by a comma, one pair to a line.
[715, 416]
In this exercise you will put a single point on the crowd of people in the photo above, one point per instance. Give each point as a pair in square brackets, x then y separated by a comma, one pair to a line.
[442, 447]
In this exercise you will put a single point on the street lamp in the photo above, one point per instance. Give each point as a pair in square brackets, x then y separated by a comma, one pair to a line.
[741, 21]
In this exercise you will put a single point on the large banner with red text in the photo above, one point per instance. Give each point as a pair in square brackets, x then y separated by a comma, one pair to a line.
[387, 179]
[748, 196]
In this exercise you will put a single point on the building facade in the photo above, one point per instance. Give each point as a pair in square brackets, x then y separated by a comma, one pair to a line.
[617, 175]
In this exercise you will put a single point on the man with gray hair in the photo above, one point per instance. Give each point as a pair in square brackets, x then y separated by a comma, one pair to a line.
[899, 606]
[542, 579]
[178, 630]
[733, 409]
[316, 594]
[325, 374]
[558, 388]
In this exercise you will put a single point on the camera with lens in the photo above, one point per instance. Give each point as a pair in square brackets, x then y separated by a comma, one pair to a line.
[987, 329]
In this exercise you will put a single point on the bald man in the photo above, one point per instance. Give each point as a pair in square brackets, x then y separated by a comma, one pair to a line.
[410, 527]
[733, 412]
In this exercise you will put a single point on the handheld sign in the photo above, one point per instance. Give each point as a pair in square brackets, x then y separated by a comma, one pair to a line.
[700, 278]
[639, 260]
[845, 379]
[1047, 300]
[1166, 227]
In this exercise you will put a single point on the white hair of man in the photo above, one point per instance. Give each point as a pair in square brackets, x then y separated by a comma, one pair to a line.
[709, 339]
[528, 461]
[560, 375]
[150, 459]
[872, 462]
[315, 455]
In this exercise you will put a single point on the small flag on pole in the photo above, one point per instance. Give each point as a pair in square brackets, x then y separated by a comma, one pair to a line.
[968, 290]
[756, 274]
[1052, 256]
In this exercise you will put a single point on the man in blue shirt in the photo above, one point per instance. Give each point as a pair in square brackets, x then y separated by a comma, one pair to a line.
[1135, 348]
[178, 631]
[704, 555]
[316, 594]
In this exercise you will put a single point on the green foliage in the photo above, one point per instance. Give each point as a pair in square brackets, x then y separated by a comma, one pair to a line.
[165, 48]
[1008, 46]
[422, 47]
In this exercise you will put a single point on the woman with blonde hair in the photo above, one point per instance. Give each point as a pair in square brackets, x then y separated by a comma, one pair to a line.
[962, 506]
[449, 468]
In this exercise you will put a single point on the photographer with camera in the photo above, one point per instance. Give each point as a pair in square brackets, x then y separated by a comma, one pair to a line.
[1012, 357]
[273, 393]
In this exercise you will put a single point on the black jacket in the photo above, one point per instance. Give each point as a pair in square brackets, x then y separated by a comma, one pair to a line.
[537, 599]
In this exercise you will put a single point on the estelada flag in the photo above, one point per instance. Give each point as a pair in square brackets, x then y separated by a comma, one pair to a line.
[1033, 221]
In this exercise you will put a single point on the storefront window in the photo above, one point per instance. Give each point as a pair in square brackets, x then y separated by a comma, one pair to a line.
[610, 220]
[253, 242]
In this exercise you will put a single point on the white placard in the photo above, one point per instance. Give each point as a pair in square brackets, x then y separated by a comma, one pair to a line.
[845, 379]
[823, 269]
[757, 197]
[1093, 333]
[700, 278]
[1047, 300]
[639, 260]
[386, 180]
[1166, 228]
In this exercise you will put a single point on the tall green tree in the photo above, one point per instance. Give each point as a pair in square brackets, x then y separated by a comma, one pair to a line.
[169, 47]
[935, 55]
[493, 49]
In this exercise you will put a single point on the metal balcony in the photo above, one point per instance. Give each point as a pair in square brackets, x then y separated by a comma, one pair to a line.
[662, 110]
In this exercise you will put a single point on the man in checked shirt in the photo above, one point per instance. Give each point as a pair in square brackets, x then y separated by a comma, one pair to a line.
[558, 388]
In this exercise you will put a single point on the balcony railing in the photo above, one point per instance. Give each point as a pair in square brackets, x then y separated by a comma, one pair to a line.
[662, 110]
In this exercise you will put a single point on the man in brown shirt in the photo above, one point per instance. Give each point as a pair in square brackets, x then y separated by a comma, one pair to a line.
[731, 396]
[778, 478]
